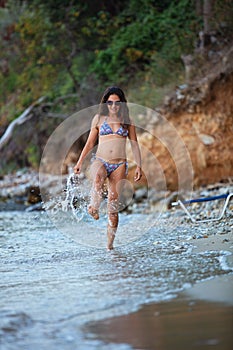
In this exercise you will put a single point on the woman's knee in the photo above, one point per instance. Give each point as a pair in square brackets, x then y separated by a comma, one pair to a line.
[113, 204]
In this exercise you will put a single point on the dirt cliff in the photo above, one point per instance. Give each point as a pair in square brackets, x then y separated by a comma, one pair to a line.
[202, 115]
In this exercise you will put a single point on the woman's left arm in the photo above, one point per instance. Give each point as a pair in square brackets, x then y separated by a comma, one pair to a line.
[136, 152]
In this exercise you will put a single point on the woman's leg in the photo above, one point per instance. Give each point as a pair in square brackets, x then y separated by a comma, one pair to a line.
[99, 174]
[114, 190]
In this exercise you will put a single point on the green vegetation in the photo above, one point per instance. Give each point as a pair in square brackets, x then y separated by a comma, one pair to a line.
[53, 47]
[65, 47]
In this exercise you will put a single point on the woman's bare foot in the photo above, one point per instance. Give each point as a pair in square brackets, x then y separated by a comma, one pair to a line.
[93, 212]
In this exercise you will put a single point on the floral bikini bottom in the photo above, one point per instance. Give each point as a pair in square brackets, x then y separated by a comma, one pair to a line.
[110, 167]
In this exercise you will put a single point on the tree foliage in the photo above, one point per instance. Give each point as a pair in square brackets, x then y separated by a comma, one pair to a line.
[66, 46]
[58, 48]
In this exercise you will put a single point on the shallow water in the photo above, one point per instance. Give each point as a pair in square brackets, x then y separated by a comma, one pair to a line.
[51, 286]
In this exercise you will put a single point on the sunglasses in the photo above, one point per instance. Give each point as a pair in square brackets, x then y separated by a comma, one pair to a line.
[111, 103]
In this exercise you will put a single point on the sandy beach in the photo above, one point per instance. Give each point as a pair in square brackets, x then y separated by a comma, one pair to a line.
[219, 289]
[201, 317]
[184, 323]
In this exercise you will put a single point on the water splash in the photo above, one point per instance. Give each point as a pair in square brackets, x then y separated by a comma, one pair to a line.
[76, 198]
[66, 204]
[71, 198]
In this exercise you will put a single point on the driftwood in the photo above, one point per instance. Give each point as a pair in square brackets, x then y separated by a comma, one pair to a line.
[26, 115]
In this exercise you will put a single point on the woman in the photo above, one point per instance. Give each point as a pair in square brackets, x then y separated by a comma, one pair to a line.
[110, 127]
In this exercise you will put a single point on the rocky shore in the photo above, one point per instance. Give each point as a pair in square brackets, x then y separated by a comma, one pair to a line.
[21, 191]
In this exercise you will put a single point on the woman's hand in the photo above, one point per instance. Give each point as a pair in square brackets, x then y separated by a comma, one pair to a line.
[77, 168]
[138, 174]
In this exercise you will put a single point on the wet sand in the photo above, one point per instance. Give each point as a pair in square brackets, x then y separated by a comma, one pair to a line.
[179, 324]
[201, 317]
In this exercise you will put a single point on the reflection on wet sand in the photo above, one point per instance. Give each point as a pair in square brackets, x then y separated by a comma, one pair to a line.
[177, 324]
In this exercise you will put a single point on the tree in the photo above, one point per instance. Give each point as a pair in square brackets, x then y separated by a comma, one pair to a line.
[207, 15]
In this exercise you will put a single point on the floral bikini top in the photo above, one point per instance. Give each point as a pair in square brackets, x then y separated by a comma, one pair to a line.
[106, 129]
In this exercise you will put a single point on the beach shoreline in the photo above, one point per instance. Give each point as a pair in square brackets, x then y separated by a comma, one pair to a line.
[191, 263]
[182, 323]
[219, 288]
[200, 317]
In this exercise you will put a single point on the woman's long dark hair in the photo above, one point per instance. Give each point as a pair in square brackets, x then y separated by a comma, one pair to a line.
[123, 113]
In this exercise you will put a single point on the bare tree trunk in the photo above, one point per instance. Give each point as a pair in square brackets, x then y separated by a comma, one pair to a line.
[198, 6]
[207, 15]
[205, 9]
[27, 114]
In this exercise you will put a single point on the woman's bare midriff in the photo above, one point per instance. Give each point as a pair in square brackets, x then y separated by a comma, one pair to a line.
[111, 148]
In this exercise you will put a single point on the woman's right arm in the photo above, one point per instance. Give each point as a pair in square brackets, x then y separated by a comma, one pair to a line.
[90, 144]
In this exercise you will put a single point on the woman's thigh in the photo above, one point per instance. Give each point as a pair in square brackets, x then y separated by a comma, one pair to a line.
[116, 182]
[98, 171]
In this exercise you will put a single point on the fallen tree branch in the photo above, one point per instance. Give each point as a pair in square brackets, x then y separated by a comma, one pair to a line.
[56, 115]
[20, 120]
